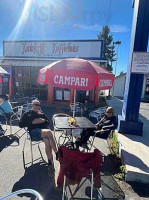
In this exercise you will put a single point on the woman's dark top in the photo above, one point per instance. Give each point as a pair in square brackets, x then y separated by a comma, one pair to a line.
[107, 123]
[28, 117]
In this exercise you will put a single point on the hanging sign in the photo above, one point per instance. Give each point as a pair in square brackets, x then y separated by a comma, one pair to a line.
[140, 62]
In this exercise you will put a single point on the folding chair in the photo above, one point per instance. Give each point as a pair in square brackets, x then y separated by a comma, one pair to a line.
[74, 165]
[23, 191]
[15, 116]
[4, 121]
[76, 108]
[32, 143]
[65, 134]
[26, 107]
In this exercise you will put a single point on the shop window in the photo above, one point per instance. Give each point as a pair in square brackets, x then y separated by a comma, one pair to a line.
[25, 81]
[59, 94]
[34, 75]
[26, 71]
[62, 94]
[66, 95]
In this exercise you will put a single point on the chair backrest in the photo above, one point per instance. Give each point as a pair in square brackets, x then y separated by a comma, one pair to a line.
[28, 191]
[75, 165]
[75, 107]
[59, 115]
[17, 113]
[27, 107]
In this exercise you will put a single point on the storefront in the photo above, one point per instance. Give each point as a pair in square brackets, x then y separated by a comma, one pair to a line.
[25, 58]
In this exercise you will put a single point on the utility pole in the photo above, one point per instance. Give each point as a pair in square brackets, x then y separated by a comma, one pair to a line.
[129, 121]
[118, 43]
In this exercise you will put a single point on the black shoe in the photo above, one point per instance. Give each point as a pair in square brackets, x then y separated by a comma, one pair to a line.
[51, 171]
[84, 145]
[77, 143]
[2, 132]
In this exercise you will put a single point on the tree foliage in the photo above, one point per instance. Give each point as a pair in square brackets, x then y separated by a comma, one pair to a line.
[109, 48]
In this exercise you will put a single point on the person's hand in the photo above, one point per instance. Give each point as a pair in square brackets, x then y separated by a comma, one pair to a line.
[41, 120]
[101, 131]
[38, 121]
[96, 127]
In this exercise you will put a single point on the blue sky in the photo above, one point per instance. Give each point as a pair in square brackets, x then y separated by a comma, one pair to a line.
[65, 19]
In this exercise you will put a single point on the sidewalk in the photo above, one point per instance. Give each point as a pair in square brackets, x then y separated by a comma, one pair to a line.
[134, 149]
[14, 177]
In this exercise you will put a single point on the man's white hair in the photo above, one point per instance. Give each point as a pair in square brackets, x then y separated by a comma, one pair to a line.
[35, 101]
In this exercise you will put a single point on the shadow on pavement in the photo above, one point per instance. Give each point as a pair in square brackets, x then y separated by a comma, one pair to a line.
[111, 164]
[6, 141]
[141, 189]
[110, 188]
[36, 178]
[136, 161]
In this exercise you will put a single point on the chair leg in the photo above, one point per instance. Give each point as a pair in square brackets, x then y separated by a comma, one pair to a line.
[31, 151]
[91, 143]
[92, 177]
[10, 127]
[64, 188]
[6, 125]
[40, 152]
[23, 154]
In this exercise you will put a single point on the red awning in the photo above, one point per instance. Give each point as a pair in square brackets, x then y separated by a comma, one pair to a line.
[75, 73]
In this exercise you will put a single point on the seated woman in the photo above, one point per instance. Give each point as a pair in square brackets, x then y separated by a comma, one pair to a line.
[5, 109]
[104, 127]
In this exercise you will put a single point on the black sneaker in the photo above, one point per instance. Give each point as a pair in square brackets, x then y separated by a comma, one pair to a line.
[2, 132]
[84, 145]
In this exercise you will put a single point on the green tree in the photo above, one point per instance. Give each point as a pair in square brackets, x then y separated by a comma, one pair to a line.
[109, 48]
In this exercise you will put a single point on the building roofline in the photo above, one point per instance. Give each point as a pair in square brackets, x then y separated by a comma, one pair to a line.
[123, 74]
[43, 59]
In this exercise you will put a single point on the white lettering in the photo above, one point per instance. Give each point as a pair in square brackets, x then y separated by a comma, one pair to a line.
[67, 80]
[61, 80]
[77, 81]
[72, 80]
[104, 83]
[82, 81]
[86, 82]
[55, 79]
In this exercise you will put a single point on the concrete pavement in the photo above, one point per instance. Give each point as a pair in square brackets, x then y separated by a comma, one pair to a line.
[134, 149]
[13, 176]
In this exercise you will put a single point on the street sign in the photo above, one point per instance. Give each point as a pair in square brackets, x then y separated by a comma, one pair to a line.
[140, 62]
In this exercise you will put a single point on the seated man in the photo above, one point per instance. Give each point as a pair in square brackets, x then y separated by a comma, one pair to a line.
[5, 109]
[104, 127]
[38, 127]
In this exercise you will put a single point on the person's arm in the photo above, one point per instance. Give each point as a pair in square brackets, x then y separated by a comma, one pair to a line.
[41, 120]
[99, 124]
[25, 121]
[110, 125]
[1, 110]
[47, 122]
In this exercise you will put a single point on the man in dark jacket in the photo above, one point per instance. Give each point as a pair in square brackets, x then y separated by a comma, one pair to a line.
[104, 127]
[38, 127]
